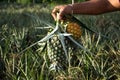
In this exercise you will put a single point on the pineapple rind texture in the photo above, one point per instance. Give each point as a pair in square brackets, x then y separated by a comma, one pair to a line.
[74, 29]
[56, 54]
[72, 26]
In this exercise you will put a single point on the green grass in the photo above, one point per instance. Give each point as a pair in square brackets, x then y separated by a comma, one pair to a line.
[17, 32]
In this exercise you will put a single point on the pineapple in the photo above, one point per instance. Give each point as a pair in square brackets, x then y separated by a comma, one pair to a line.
[72, 26]
[58, 57]
[74, 29]
[56, 54]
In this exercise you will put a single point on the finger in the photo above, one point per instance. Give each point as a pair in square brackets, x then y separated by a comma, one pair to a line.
[54, 12]
[54, 15]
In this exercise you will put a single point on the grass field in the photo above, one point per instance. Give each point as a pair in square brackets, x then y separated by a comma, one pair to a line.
[19, 28]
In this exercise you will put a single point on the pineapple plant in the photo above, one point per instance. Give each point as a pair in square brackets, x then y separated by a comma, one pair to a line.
[60, 47]
[61, 41]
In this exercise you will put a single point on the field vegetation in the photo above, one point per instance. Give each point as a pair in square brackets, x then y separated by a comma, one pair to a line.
[20, 28]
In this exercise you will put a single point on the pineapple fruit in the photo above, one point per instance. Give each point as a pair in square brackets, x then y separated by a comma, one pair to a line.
[74, 29]
[72, 26]
[58, 57]
[56, 54]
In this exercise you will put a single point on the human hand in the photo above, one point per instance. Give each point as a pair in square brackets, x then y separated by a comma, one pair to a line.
[61, 10]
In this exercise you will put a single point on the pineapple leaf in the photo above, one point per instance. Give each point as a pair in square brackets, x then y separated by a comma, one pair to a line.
[78, 44]
[48, 27]
[50, 35]
[62, 40]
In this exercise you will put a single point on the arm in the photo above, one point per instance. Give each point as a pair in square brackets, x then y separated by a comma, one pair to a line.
[92, 7]
[96, 7]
